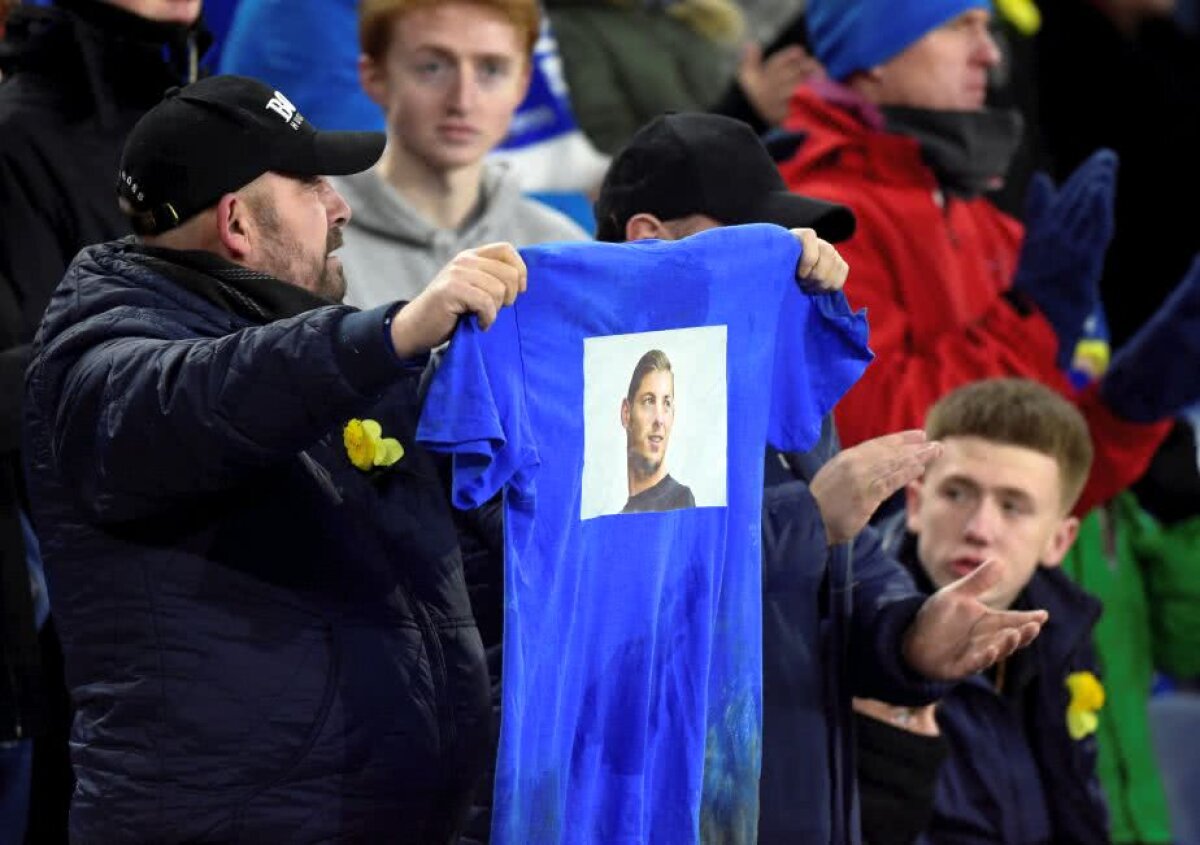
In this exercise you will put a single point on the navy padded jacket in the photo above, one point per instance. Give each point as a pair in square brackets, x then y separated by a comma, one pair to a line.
[263, 643]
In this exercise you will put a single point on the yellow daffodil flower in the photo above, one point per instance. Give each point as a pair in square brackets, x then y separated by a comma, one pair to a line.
[367, 447]
[1087, 697]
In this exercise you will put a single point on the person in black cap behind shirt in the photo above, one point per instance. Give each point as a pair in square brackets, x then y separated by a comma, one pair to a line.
[257, 581]
[686, 172]
[840, 616]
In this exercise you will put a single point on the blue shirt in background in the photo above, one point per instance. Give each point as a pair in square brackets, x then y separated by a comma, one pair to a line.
[632, 647]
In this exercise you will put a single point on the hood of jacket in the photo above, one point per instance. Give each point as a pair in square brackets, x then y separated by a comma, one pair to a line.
[838, 130]
[94, 57]
[380, 210]
[964, 152]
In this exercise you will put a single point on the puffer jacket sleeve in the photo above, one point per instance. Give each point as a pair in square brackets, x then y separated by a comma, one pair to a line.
[142, 416]
[885, 602]
[873, 597]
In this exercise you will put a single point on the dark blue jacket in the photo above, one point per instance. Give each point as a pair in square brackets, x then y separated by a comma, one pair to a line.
[833, 621]
[263, 643]
[1013, 775]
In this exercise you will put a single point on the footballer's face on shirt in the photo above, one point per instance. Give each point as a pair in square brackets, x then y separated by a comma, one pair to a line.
[982, 500]
[648, 418]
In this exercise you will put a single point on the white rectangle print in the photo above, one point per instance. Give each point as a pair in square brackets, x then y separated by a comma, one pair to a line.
[655, 408]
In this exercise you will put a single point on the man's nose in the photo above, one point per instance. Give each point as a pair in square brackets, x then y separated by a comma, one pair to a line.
[464, 89]
[984, 523]
[987, 52]
[337, 210]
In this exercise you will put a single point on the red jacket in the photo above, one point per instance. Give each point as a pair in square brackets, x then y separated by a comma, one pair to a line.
[931, 271]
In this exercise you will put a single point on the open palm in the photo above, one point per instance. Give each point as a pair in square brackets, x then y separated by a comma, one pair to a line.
[955, 635]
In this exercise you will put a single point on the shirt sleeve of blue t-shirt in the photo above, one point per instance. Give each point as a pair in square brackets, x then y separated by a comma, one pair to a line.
[820, 352]
[476, 409]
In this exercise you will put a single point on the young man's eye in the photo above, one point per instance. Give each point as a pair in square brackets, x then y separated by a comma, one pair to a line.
[430, 67]
[1012, 508]
[491, 69]
[954, 494]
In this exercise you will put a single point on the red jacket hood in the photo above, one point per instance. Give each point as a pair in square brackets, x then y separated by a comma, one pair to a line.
[842, 130]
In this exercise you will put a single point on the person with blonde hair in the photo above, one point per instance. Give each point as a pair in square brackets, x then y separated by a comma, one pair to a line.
[448, 75]
[1011, 756]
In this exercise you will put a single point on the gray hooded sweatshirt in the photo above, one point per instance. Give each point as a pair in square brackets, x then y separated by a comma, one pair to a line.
[391, 252]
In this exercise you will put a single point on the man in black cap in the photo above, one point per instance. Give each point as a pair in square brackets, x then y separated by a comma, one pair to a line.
[840, 616]
[257, 581]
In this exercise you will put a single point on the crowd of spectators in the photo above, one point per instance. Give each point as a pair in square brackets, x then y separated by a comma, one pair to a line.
[179, 349]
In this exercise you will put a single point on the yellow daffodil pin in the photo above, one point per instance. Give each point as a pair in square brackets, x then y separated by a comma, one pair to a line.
[366, 446]
[1092, 357]
[1087, 697]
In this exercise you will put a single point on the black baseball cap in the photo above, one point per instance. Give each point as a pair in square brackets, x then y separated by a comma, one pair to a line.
[693, 163]
[218, 135]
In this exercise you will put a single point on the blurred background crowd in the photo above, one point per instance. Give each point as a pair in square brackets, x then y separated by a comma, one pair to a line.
[1076, 76]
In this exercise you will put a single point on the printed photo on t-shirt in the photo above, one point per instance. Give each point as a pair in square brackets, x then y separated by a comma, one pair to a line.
[655, 424]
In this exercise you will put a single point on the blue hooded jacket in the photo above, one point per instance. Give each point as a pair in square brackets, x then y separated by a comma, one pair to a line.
[833, 623]
[1013, 774]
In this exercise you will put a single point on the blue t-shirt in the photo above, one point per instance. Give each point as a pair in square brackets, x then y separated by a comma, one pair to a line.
[631, 708]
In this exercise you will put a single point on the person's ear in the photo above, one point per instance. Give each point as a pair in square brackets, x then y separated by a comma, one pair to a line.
[641, 226]
[867, 81]
[235, 226]
[1060, 542]
[625, 413]
[372, 76]
[913, 494]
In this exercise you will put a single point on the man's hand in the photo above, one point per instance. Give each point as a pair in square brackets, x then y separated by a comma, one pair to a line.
[955, 635]
[1067, 233]
[857, 481]
[768, 83]
[820, 267]
[477, 281]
